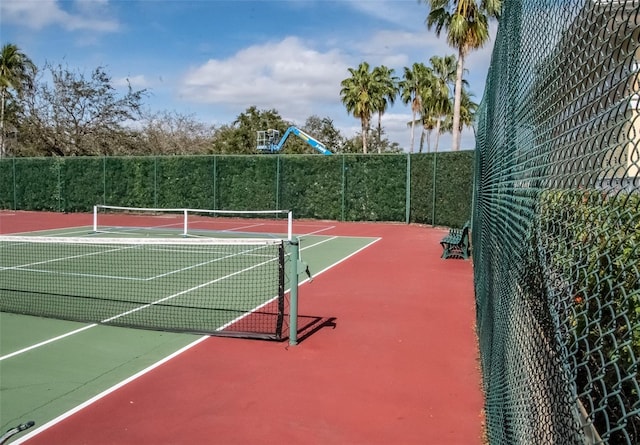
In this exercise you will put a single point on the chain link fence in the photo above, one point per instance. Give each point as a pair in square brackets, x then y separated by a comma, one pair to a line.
[556, 225]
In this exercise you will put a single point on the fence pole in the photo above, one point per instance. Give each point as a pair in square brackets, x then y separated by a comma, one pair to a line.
[15, 193]
[215, 182]
[104, 180]
[344, 178]
[277, 182]
[433, 190]
[408, 194]
[155, 181]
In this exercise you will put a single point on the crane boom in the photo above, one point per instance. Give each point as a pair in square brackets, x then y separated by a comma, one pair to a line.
[268, 140]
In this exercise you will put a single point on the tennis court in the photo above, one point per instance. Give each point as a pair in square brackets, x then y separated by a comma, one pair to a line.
[66, 374]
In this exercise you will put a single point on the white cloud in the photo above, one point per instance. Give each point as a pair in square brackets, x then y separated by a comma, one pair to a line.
[286, 75]
[89, 15]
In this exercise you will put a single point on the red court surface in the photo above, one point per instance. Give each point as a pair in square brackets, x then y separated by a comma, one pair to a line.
[398, 365]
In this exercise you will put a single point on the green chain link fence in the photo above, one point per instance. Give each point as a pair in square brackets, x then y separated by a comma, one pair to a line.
[431, 188]
[556, 227]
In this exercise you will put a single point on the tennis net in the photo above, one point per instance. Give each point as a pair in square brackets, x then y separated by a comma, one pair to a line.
[213, 286]
[194, 222]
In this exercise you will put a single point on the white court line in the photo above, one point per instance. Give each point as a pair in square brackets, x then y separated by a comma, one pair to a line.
[46, 342]
[193, 266]
[107, 392]
[199, 286]
[234, 229]
[161, 362]
[317, 231]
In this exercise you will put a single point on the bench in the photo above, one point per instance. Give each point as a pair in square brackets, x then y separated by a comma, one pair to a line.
[456, 243]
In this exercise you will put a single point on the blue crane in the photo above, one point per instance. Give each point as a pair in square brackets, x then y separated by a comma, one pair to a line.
[270, 141]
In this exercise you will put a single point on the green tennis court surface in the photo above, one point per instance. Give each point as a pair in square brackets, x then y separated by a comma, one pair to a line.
[49, 366]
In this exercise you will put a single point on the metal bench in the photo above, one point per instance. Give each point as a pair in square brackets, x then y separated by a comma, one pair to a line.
[456, 243]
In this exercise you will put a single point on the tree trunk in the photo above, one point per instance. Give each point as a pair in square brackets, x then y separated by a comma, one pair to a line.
[365, 126]
[379, 132]
[437, 136]
[457, 100]
[413, 123]
[2, 123]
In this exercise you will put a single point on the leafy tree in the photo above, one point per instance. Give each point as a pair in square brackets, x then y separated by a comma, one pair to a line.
[78, 115]
[323, 130]
[385, 92]
[413, 84]
[17, 73]
[224, 141]
[358, 96]
[241, 135]
[382, 145]
[467, 25]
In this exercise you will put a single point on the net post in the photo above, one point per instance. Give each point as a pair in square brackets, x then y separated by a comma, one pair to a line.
[95, 219]
[290, 225]
[294, 246]
[185, 230]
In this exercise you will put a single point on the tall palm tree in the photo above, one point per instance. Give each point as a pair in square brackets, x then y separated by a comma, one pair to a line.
[412, 87]
[386, 90]
[16, 73]
[467, 25]
[358, 96]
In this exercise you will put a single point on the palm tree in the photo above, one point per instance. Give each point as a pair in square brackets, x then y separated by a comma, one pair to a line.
[358, 96]
[428, 124]
[467, 25]
[16, 73]
[386, 90]
[468, 110]
[412, 86]
[444, 70]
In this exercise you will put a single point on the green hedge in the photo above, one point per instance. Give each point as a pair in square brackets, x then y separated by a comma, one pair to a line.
[175, 182]
[589, 243]
[313, 186]
[339, 187]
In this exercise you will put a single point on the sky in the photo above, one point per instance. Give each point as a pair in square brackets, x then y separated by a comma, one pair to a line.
[212, 59]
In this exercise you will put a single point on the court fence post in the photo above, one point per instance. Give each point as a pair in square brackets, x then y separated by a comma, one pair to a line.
[294, 245]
